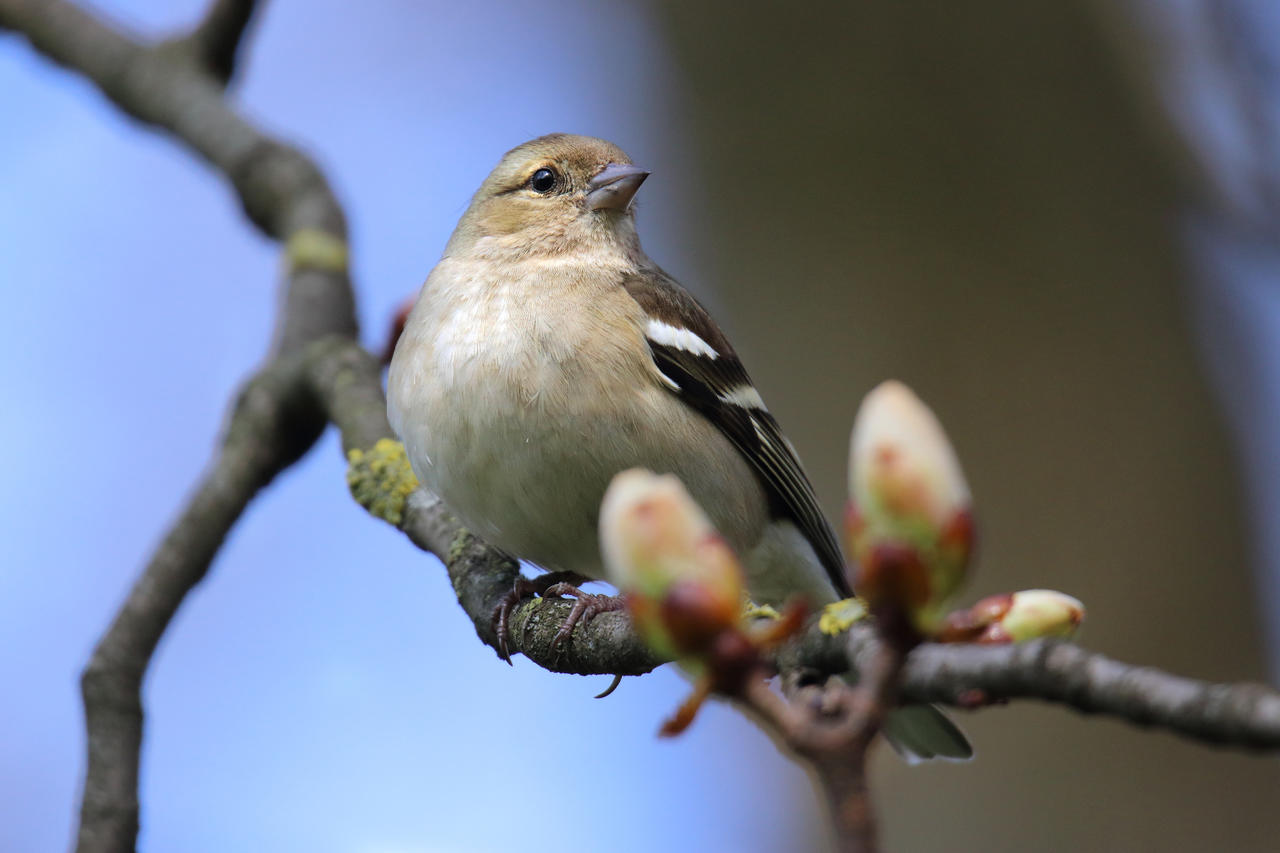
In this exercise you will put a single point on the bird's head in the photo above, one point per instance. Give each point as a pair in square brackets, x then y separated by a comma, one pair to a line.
[554, 194]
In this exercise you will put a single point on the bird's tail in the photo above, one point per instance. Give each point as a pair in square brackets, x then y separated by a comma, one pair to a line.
[921, 732]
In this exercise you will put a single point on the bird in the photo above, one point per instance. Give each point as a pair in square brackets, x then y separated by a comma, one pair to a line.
[546, 352]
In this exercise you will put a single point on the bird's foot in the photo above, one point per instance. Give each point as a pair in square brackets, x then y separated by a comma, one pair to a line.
[551, 585]
[587, 606]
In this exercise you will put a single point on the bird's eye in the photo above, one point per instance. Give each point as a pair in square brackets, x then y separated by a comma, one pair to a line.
[543, 181]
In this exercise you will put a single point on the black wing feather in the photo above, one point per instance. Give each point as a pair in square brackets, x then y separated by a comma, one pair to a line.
[703, 382]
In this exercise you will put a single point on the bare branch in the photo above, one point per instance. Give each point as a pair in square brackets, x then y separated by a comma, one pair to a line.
[1239, 715]
[347, 382]
[260, 441]
[282, 191]
[967, 676]
[217, 39]
[829, 728]
[273, 421]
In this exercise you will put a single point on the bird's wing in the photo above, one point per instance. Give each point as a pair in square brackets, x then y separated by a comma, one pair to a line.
[702, 369]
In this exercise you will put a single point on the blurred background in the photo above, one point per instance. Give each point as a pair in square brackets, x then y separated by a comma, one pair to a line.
[1057, 221]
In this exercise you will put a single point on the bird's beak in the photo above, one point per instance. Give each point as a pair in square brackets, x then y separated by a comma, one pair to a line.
[614, 186]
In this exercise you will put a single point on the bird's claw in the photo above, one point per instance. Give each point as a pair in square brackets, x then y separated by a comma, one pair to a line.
[587, 606]
[523, 588]
[548, 585]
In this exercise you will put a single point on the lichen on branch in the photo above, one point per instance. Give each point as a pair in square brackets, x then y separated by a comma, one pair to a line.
[381, 480]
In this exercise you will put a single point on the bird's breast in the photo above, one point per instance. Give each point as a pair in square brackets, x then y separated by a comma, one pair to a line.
[518, 399]
[541, 335]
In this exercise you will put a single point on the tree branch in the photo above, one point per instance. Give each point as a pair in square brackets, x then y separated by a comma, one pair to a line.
[282, 191]
[273, 421]
[1240, 715]
[216, 41]
[348, 387]
[829, 728]
[347, 382]
[317, 372]
[259, 443]
[968, 676]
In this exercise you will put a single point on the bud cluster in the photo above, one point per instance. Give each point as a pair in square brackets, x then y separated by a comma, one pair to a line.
[684, 586]
[909, 528]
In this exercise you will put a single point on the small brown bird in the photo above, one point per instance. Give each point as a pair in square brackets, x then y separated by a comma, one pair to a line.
[547, 352]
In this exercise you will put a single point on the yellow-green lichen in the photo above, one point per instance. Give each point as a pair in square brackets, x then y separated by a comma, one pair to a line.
[458, 545]
[839, 616]
[760, 611]
[311, 248]
[381, 480]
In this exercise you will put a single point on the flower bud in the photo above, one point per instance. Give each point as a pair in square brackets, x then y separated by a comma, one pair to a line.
[1037, 613]
[683, 582]
[1014, 618]
[909, 524]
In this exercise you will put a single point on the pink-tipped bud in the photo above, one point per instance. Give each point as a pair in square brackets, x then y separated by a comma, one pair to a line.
[909, 524]
[1037, 613]
[1015, 618]
[683, 582]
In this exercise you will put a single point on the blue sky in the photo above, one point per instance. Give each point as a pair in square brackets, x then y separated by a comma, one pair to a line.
[321, 690]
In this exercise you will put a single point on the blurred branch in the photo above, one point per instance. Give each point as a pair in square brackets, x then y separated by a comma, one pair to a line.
[217, 39]
[282, 191]
[830, 728]
[347, 381]
[970, 676]
[1240, 715]
[260, 441]
[273, 420]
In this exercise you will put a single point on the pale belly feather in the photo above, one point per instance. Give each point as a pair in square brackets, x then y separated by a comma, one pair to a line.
[520, 430]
